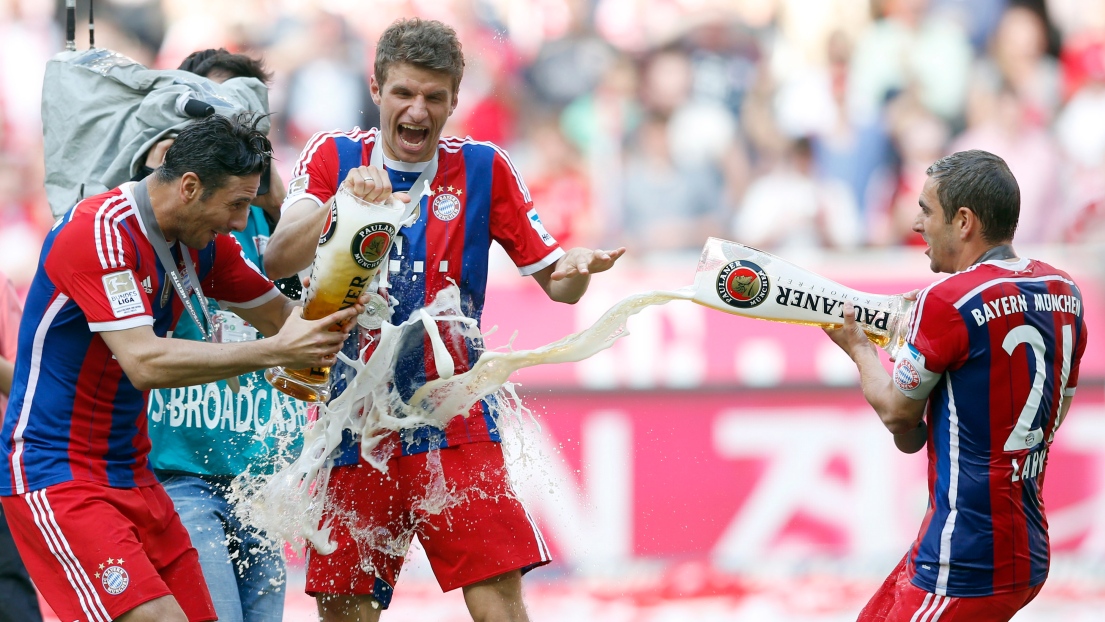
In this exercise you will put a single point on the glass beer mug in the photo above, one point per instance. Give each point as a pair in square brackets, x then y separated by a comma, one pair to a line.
[742, 280]
[355, 242]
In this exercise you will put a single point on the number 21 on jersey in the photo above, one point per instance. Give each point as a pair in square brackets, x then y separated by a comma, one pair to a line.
[1025, 434]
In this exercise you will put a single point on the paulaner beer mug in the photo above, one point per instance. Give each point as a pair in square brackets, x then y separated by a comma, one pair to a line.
[742, 280]
[355, 241]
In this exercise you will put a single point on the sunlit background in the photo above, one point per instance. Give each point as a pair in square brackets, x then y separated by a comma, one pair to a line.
[707, 467]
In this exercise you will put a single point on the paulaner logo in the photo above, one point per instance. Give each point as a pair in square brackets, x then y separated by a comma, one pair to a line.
[370, 244]
[831, 305]
[742, 284]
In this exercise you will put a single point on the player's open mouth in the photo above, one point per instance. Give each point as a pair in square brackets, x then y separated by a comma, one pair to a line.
[412, 136]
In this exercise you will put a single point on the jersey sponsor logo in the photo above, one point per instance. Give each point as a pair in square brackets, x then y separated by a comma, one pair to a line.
[122, 293]
[370, 244]
[446, 206]
[539, 227]
[906, 375]
[115, 580]
[147, 285]
[742, 284]
[299, 185]
[330, 226]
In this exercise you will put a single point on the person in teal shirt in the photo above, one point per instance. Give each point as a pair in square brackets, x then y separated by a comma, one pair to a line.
[204, 436]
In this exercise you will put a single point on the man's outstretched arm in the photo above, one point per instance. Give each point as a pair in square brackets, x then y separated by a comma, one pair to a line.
[153, 362]
[567, 279]
[901, 414]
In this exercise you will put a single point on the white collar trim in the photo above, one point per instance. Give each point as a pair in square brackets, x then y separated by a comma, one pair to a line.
[406, 167]
[1016, 265]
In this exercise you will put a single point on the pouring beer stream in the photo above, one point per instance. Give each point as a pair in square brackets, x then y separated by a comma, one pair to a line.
[731, 277]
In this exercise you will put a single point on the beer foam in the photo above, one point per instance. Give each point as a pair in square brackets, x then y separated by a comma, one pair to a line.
[289, 504]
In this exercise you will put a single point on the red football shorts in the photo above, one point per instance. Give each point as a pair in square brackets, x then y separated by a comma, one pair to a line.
[96, 552]
[481, 530]
[899, 600]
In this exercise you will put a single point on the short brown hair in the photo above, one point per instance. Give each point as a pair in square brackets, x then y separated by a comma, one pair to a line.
[983, 183]
[424, 43]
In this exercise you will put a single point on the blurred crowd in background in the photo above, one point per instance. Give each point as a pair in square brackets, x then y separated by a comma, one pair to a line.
[783, 124]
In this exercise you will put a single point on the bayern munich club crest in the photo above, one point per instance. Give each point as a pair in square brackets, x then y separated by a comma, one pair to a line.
[330, 225]
[742, 284]
[906, 376]
[446, 206]
[370, 244]
[115, 580]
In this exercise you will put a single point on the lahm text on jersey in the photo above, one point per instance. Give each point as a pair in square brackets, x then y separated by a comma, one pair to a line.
[1031, 465]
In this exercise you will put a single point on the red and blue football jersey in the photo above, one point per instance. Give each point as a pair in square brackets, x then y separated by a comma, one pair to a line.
[73, 413]
[995, 349]
[477, 196]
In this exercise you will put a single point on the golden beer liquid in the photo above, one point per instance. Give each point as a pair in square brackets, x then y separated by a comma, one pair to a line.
[359, 234]
[877, 338]
[338, 290]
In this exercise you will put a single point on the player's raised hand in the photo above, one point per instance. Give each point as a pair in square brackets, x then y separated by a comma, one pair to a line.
[583, 261]
[314, 343]
[910, 296]
[372, 184]
[850, 337]
[155, 157]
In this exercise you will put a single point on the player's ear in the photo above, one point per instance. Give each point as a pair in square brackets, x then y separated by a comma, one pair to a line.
[374, 89]
[966, 223]
[190, 187]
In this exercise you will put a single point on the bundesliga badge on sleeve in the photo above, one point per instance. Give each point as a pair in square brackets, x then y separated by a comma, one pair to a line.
[355, 242]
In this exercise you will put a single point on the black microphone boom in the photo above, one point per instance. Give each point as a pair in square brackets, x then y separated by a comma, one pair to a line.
[198, 108]
[71, 25]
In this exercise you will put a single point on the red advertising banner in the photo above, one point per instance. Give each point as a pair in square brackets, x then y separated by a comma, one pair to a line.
[754, 479]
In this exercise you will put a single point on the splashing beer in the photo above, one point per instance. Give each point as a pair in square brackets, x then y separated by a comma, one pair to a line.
[742, 280]
[355, 241]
